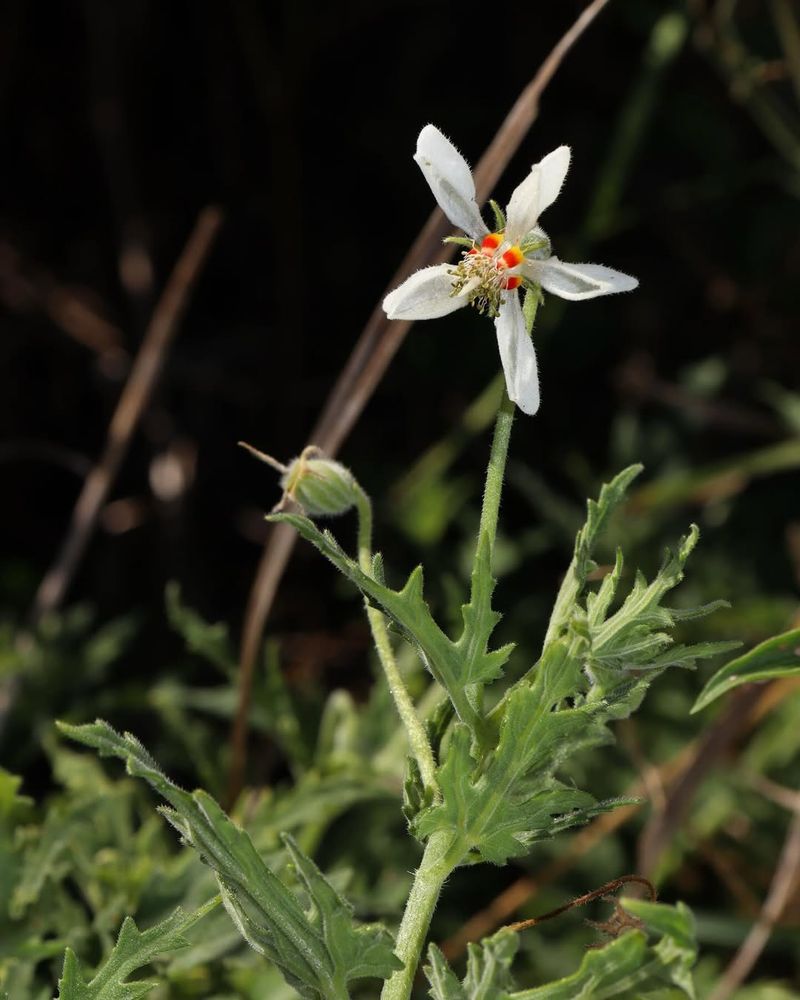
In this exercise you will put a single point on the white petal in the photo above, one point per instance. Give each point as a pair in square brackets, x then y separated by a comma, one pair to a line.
[578, 281]
[427, 294]
[553, 169]
[517, 355]
[523, 209]
[536, 193]
[450, 179]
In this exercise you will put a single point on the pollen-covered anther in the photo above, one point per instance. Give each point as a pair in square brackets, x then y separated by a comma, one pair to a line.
[482, 274]
[512, 257]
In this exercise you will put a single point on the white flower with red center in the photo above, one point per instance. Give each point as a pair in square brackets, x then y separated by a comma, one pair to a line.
[496, 264]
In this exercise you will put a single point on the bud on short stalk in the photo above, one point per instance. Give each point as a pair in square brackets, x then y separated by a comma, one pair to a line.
[320, 486]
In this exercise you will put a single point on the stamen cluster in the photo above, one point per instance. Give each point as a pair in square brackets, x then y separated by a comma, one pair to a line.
[483, 275]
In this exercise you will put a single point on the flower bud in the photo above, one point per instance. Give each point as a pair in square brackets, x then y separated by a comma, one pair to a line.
[322, 487]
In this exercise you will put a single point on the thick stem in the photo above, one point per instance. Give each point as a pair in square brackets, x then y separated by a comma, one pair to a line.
[417, 737]
[438, 861]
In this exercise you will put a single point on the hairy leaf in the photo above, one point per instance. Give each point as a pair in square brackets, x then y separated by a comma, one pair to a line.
[501, 807]
[500, 797]
[488, 970]
[208, 640]
[458, 666]
[309, 948]
[598, 512]
[777, 657]
[133, 950]
[652, 959]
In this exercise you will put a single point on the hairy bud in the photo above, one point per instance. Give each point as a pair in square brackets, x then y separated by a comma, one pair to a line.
[322, 487]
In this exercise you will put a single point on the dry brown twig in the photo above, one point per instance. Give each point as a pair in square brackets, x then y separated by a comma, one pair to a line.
[131, 405]
[783, 885]
[711, 746]
[368, 361]
[25, 287]
[602, 892]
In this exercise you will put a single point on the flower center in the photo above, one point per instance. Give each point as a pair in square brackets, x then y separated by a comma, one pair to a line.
[483, 272]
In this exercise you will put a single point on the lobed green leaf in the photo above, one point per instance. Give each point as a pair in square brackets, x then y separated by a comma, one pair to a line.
[133, 950]
[460, 667]
[598, 512]
[309, 948]
[498, 807]
[652, 959]
[488, 970]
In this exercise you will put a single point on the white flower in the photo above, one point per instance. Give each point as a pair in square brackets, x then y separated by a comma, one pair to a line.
[496, 264]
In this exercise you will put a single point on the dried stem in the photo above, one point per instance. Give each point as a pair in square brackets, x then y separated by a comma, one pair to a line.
[135, 396]
[369, 360]
[587, 897]
[785, 18]
[784, 881]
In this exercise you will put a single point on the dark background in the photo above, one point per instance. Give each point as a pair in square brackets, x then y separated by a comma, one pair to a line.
[121, 121]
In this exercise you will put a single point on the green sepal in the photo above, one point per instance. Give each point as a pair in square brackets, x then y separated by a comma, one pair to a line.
[461, 241]
[499, 216]
[530, 303]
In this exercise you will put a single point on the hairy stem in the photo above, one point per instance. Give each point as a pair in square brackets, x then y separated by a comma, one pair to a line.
[417, 738]
[496, 470]
[502, 435]
[440, 858]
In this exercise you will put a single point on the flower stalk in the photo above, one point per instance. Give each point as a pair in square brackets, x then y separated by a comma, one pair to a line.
[417, 737]
[440, 858]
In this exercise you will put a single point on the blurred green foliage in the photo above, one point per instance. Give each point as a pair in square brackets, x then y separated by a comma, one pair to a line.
[686, 123]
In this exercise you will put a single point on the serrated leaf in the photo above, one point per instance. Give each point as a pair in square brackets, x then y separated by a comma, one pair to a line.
[133, 950]
[358, 950]
[444, 982]
[638, 636]
[208, 640]
[633, 966]
[488, 970]
[656, 956]
[457, 666]
[500, 808]
[306, 947]
[604, 973]
[598, 512]
[777, 657]
[479, 622]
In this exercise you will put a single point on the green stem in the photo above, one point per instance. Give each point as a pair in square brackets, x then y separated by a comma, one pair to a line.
[393, 749]
[502, 435]
[438, 862]
[417, 737]
[496, 470]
